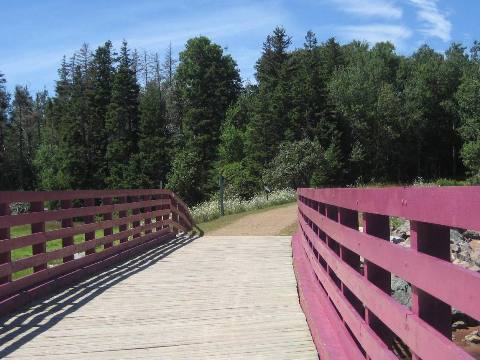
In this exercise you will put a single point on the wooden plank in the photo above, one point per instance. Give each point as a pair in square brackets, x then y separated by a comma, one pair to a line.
[154, 308]
[5, 255]
[369, 340]
[107, 217]
[31, 196]
[67, 223]
[453, 206]
[433, 240]
[88, 228]
[39, 248]
[30, 218]
[91, 225]
[458, 286]
[419, 336]
[41, 258]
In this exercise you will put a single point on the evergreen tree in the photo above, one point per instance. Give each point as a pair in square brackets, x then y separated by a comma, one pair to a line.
[122, 123]
[99, 98]
[150, 166]
[5, 175]
[21, 139]
[207, 82]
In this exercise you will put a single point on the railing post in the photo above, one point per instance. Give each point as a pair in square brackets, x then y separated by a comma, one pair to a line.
[148, 220]
[66, 223]
[106, 217]
[135, 211]
[5, 257]
[122, 214]
[89, 220]
[349, 218]
[433, 240]
[378, 226]
[41, 248]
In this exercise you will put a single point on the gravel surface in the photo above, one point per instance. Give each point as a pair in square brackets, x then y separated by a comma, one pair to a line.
[269, 222]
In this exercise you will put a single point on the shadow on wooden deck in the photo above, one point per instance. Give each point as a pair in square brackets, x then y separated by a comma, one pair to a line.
[24, 325]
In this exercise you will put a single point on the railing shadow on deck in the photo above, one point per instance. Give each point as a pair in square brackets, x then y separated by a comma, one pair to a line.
[24, 325]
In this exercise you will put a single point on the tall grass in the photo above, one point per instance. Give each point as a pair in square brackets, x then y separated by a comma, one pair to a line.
[210, 210]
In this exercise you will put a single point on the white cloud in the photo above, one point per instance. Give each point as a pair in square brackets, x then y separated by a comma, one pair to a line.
[370, 8]
[374, 33]
[436, 22]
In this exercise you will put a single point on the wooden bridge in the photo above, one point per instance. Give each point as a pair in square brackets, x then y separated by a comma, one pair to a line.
[123, 274]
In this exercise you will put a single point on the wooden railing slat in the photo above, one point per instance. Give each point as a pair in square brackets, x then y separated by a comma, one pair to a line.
[135, 209]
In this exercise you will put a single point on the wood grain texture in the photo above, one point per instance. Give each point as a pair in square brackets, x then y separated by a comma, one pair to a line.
[213, 298]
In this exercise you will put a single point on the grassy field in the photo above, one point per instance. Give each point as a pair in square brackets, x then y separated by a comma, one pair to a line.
[210, 226]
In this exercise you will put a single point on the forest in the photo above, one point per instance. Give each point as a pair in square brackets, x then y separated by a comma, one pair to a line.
[325, 114]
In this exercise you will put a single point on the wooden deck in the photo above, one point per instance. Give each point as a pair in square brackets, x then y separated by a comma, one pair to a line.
[214, 297]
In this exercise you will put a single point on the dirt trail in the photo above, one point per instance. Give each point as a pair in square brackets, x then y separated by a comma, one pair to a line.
[269, 222]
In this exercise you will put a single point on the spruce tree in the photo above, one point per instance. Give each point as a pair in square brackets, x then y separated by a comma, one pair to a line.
[5, 174]
[122, 123]
[207, 82]
[151, 164]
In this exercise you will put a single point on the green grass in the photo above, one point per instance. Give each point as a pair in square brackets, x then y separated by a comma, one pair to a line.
[209, 226]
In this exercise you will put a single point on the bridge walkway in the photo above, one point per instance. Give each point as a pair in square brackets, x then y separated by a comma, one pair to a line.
[214, 297]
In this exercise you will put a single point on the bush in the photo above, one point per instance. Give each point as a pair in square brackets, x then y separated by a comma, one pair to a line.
[209, 210]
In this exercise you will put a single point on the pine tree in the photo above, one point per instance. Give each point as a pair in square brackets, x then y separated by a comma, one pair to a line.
[5, 174]
[207, 82]
[102, 77]
[21, 142]
[151, 164]
[122, 123]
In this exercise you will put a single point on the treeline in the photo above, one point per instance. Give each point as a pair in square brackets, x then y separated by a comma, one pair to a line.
[322, 115]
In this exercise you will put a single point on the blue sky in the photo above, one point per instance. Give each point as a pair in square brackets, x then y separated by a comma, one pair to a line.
[36, 34]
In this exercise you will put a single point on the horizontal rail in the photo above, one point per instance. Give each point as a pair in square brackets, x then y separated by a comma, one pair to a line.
[354, 267]
[127, 219]
[453, 206]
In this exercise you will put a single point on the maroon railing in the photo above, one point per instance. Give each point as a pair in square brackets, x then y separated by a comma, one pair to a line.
[66, 235]
[344, 274]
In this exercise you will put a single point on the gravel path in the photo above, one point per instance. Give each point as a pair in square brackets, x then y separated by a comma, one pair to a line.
[269, 222]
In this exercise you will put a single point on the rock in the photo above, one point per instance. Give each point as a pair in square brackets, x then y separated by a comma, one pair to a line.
[473, 338]
[456, 237]
[401, 291]
[471, 235]
[396, 239]
[403, 231]
[460, 324]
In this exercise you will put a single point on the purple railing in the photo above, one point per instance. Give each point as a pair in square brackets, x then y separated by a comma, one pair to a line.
[90, 230]
[344, 274]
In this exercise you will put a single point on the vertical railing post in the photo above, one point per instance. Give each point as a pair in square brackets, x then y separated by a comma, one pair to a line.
[166, 207]
[89, 219]
[122, 214]
[378, 226]
[67, 223]
[5, 257]
[136, 211]
[41, 248]
[107, 217]
[349, 218]
[433, 240]
[148, 219]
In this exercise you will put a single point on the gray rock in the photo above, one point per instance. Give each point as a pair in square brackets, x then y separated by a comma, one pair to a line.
[456, 237]
[401, 291]
[403, 231]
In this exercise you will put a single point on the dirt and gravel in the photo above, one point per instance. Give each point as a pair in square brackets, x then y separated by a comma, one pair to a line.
[270, 222]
